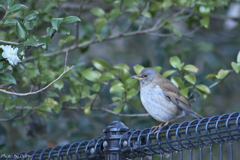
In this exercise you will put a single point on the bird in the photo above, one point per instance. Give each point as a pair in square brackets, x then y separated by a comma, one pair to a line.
[162, 99]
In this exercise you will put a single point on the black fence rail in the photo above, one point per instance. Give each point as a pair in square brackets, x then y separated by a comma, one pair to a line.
[120, 143]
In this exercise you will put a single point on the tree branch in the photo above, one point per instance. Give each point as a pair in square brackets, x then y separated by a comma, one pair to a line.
[104, 39]
[96, 109]
[31, 93]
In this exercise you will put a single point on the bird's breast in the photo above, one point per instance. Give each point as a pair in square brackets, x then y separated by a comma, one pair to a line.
[157, 105]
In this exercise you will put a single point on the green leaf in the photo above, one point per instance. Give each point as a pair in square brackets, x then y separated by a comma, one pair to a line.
[118, 109]
[178, 82]
[52, 94]
[100, 23]
[114, 71]
[210, 76]
[117, 83]
[8, 105]
[43, 108]
[16, 8]
[204, 11]
[46, 41]
[113, 13]
[177, 32]
[21, 31]
[4, 97]
[116, 88]
[106, 76]
[31, 42]
[205, 22]
[1, 6]
[100, 64]
[130, 83]
[57, 108]
[236, 66]
[98, 12]
[91, 75]
[50, 102]
[238, 57]
[87, 108]
[31, 15]
[132, 92]
[29, 25]
[56, 22]
[190, 78]
[12, 3]
[32, 71]
[138, 68]
[146, 14]
[176, 62]
[71, 19]
[168, 73]
[203, 88]
[190, 68]
[114, 99]
[158, 68]
[222, 74]
[58, 85]
[19, 101]
[64, 30]
[7, 78]
[121, 66]
[96, 87]
[47, 75]
[68, 39]
[184, 92]
[10, 21]
[124, 75]
[99, 37]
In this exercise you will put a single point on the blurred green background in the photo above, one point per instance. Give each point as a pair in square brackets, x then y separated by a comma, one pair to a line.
[210, 47]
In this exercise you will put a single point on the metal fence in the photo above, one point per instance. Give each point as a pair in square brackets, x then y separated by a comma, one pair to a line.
[186, 140]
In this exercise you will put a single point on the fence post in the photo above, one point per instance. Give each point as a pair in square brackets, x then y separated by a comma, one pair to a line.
[113, 133]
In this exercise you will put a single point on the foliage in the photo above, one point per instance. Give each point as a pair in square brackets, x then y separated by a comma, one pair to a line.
[43, 31]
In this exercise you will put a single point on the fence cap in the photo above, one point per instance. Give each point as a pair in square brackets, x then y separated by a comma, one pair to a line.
[116, 126]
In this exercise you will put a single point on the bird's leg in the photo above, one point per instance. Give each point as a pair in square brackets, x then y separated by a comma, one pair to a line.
[166, 123]
[156, 128]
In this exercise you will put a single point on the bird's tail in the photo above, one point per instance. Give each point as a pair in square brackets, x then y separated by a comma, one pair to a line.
[197, 115]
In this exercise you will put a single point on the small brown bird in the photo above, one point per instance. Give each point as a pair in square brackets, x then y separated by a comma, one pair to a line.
[162, 99]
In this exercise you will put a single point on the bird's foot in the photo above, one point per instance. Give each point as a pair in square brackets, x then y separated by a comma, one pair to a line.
[156, 128]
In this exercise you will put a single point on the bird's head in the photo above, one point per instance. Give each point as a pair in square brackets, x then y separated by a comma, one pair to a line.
[146, 76]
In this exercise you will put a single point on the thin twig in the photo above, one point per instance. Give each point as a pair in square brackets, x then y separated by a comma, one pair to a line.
[77, 23]
[219, 81]
[211, 86]
[3, 17]
[144, 18]
[65, 67]
[136, 17]
[31, 93]
[97, 41]
[8, 42]
[98, 109]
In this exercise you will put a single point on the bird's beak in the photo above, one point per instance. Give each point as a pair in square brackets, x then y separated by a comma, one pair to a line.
[136, 77]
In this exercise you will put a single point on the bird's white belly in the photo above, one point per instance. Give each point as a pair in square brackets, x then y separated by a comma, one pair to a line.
[158, 106]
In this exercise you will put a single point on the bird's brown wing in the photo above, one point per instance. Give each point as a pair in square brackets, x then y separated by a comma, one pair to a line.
[172, 93]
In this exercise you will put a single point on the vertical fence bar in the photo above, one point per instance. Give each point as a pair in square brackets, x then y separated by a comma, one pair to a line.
[201, 153]
[191, 154]
[181, 155]
[231, 151]
[221, 154]
[113, 133]
[211, 157]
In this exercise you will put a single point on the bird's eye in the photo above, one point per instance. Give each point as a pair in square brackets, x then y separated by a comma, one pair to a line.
[144, 75]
